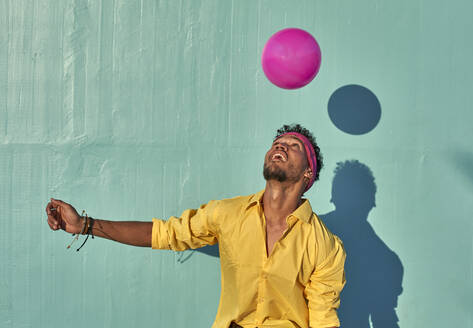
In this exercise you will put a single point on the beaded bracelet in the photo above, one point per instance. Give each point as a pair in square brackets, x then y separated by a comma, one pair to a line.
[86, 229]
[90, 223]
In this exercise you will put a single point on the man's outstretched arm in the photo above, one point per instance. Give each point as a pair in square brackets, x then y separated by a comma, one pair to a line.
[63, 216]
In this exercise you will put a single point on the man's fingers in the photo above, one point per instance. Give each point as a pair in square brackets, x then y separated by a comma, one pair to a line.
[53, 211]
[52, 218]
[57, 202]
[58, 211]
[52, 223]
[61, 206]
[50, 208]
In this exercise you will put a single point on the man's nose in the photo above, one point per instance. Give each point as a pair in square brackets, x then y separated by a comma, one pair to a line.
[281, 146]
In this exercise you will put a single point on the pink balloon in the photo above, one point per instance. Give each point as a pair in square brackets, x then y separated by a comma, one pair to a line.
[291, 58]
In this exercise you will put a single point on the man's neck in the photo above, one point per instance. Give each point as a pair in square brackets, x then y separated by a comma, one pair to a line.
[280, 200]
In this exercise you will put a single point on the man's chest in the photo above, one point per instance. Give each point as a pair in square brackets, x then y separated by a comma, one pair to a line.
[274, 233]
[284, 252]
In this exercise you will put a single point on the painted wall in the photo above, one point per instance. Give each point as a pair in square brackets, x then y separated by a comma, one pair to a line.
[136, 109]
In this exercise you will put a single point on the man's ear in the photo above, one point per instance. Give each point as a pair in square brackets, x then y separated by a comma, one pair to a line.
[308, 173]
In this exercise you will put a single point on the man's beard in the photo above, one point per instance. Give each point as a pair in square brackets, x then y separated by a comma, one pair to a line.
[274, 173]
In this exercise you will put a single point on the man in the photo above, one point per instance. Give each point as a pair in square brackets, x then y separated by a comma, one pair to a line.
[281, 267]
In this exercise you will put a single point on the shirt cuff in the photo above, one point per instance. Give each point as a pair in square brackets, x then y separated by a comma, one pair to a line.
[159, 235]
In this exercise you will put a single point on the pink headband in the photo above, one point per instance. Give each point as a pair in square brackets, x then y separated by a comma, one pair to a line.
[309, 149]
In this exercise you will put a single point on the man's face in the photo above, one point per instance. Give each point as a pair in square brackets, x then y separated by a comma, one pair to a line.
[286, 160]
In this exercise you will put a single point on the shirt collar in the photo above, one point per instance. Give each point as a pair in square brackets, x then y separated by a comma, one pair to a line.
[303, 212]
[255, 199]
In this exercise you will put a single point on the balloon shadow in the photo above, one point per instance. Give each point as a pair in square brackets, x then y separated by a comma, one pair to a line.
[373, 271]
[354, 109]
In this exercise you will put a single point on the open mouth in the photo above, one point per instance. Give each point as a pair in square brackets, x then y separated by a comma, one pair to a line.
[278, 157]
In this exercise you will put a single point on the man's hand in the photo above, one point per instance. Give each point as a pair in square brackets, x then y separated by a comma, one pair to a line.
[63, 216]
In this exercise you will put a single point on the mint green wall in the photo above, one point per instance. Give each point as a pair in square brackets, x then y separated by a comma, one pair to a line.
[135, 109]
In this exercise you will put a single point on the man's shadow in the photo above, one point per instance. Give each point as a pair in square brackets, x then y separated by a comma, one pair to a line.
[373, 271]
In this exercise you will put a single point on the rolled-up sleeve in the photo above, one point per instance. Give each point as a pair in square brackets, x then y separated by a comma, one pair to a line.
[323, 290]
[193, 229]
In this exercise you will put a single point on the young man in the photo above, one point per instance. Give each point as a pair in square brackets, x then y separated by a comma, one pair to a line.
[281, 267]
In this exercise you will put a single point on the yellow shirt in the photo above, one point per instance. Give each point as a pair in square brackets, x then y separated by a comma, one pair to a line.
[298, 285]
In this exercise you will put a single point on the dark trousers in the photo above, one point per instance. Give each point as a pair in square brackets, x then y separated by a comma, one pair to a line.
[234, 325]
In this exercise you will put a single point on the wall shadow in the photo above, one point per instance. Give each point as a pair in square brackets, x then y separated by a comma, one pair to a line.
[354, 109]
[374, 272]
[464, 162]
[211, 250]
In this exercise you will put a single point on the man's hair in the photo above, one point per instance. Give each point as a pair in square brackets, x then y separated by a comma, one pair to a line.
[306, 133]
